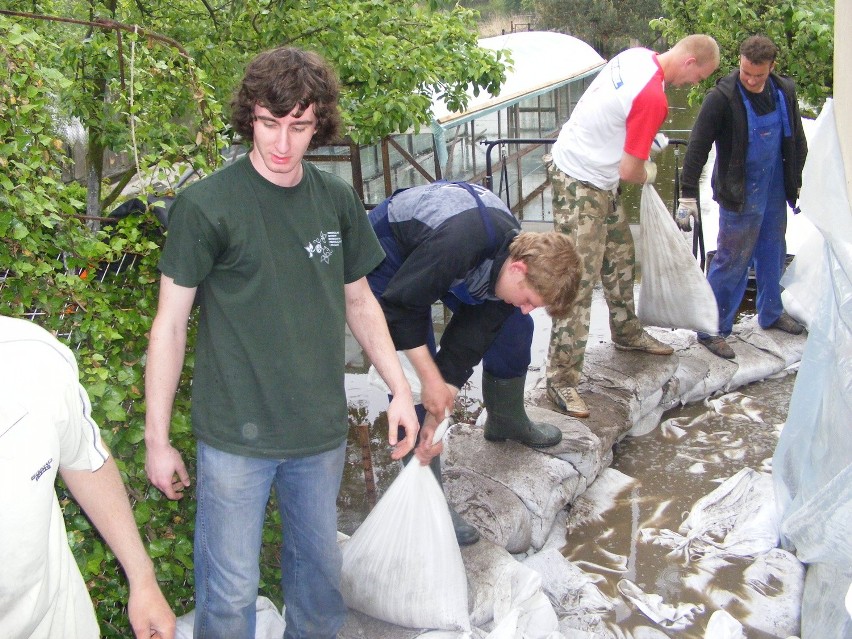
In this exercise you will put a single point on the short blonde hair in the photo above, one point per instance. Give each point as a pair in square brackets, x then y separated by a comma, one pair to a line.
[702, 47]
[553, 268]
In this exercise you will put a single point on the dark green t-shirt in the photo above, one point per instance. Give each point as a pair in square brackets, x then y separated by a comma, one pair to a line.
[270, 264]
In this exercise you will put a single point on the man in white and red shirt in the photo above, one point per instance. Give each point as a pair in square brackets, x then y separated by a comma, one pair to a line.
[606, 140]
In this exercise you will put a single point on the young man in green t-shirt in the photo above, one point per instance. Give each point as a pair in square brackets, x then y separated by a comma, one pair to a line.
[276, 252]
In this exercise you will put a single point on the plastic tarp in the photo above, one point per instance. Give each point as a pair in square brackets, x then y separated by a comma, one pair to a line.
[541, 61]
[812, 465]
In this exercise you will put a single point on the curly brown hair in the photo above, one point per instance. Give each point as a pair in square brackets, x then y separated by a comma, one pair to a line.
[553, 268]
[758, 49]
[287, 79]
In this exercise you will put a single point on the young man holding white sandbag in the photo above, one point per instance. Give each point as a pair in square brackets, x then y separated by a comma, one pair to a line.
[458, 243]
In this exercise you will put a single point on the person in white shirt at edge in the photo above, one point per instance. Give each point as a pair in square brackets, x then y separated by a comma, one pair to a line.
[606, 140]
[46, 429]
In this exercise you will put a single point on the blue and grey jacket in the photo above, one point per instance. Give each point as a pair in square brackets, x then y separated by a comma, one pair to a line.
[443, 243]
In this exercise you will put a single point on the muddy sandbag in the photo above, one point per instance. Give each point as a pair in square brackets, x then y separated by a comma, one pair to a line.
[572, 591]
[671, 617]
[607, 369]
[784, 346]
[579, 446]
[719, 373]
[767, 594]
[673, 292]
[691, 372]
[269, 622]
[598, 499]
[498, 514]
[543, 483]
[504, 590]
[737, 519]
[403, 565]
[753, 364]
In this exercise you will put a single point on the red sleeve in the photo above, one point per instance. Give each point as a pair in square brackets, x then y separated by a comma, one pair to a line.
[647, 114]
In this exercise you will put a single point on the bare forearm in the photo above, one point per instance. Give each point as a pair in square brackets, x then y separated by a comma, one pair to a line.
[162, 375]
[425, 366]
[367, 323]
[102, 496]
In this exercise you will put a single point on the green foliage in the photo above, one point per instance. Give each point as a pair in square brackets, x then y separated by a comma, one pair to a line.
[803, 30]
[154, 93]
[98, 291]
[607, 25]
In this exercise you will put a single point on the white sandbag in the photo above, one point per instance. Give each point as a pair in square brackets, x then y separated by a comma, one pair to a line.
[403, 564]
[739, 518]
[673, 292]
[572, 592]
[671, 617]
[723, 626]
[410, 375]
[269, 622]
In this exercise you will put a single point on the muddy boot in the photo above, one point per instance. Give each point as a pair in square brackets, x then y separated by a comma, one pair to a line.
[506, 417]
[465, 533]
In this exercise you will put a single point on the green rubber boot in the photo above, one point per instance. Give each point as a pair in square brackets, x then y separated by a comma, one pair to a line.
[506, 417]
[466, 534]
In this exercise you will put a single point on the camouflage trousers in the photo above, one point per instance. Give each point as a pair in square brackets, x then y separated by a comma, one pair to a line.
[595, 221]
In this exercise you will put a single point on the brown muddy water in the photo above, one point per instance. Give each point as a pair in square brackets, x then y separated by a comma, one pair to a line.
[671, 475]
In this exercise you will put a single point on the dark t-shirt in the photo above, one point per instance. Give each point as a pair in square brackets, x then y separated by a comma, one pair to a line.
[763, 102]
[270, 264]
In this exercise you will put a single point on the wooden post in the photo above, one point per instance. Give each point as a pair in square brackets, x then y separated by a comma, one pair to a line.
[363, 430]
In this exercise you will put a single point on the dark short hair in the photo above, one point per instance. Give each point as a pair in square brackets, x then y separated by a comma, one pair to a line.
[284, 79]
[758, 49]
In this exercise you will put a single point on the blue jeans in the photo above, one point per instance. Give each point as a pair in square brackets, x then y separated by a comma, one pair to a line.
[232, 493]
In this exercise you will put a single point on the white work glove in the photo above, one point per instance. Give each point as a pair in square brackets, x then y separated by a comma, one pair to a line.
[661, 141]
[687, 210]
[650, 172]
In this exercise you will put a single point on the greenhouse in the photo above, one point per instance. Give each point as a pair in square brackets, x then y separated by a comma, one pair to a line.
[549, 73]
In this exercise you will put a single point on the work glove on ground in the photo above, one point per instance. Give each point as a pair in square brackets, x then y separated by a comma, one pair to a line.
[686, 212]
[650, 171]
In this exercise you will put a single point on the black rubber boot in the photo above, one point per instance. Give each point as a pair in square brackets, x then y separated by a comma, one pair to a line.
[506, 417]
[465, 533]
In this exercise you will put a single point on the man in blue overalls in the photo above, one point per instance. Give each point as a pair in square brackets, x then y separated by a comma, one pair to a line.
[753, 117]
[458, 243]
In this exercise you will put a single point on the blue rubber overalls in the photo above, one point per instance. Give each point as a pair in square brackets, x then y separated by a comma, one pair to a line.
[755, 236]
[509, 355]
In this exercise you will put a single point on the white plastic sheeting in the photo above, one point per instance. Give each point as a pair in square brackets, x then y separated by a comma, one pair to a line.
[812, 465]
[541, 61]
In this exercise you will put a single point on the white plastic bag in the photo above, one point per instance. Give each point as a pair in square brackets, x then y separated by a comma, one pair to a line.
[410, 375]
[674, 292]
[403, 564]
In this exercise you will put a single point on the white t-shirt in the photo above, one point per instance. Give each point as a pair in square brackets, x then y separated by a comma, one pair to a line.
[621, 111]
[45, 424]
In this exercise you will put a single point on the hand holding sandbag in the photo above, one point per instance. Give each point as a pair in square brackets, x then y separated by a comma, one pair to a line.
[650, 171]
[686, 212]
